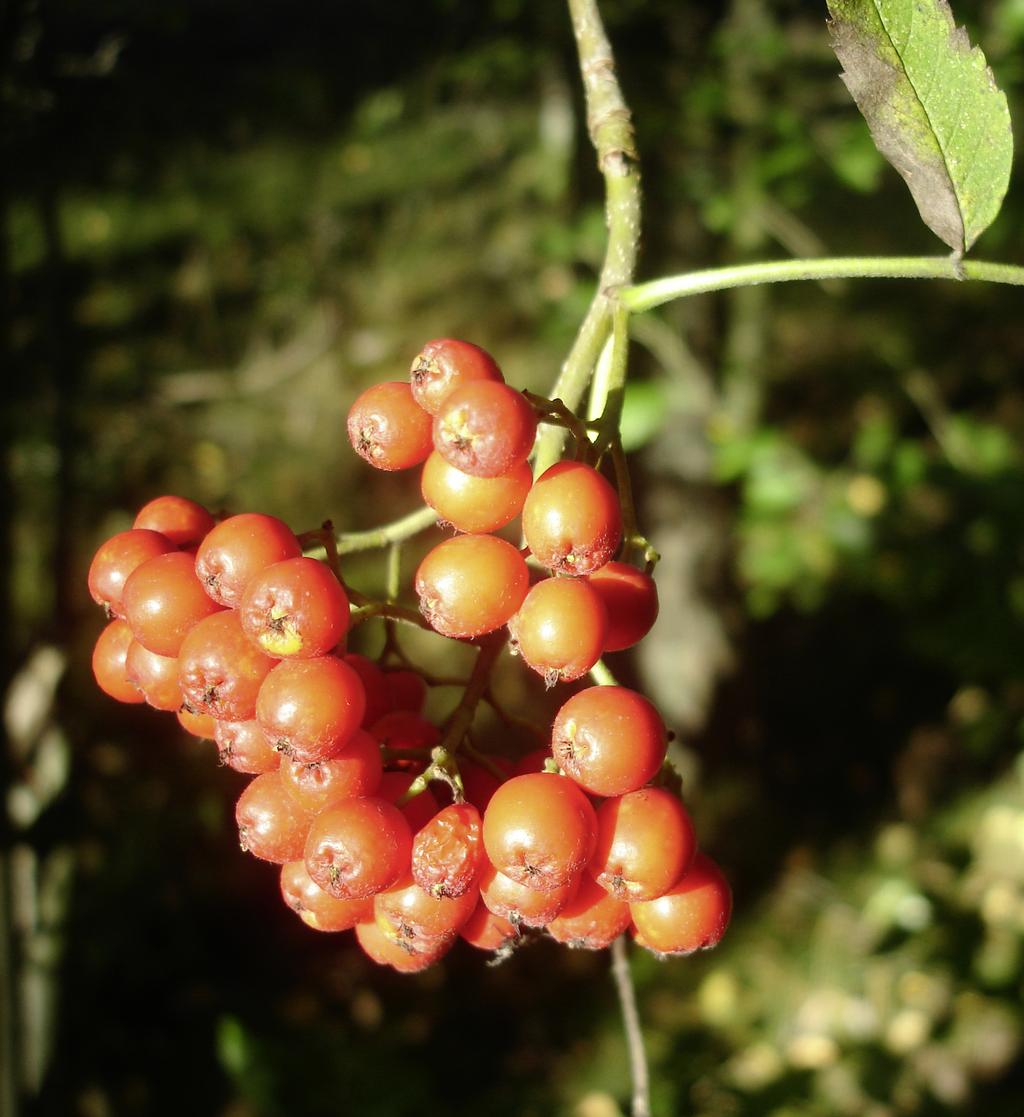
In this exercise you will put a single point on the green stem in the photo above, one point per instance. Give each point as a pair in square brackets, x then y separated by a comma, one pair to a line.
[602, 675]
[390, 611]
[383, 536]
[656, 292]
[611, 132]
[613, 383]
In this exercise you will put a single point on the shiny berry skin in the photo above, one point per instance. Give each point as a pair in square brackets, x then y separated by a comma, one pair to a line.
[487, 931]
[377, 701]
[295, 609]
[108, 663]
[630, 598]
[645, 843]
[220, 670]
[448, 852]
[399, 956]
[271, 824]
[156, 676]
[571, 519]
[474, 504]
[409, 915]
[609, 739]
[313, 905]
[355, 771]
[311, 708]
[198, 725]
[443, 365]
[540, 830]
[163, 599]
[243, 746]
[471, 585]
[237, 549]
[592, 919]
[406, 690]
[485, 428]
[692, 915]
[184, 522]
[358, 848]
[116, 559]
[560, 629]
[511, 900]
[388, 428]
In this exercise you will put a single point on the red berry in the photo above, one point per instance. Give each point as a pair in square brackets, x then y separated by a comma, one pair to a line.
[592, 919]
[237, 549]
[447, 853]
[420, 809]
[388, 428]
[645, 843]
[242, 745]
[485, 428]
[478, 784]
[108, 663]
[182, 520]
[311, 708]
[295, 609]
[156, 676]
[271, 823]
[399, 956]
[116, 559]
[358, 847]
[403, 729]
[474, 504]
[487, 931]
[609, 739]
[220, 670]
[313, 905]
[354, 772]
[377, 701]
[560, 629]
[630, 598]
[471, 585]
[539, 830]
[406, 690]
[516, 902]
[692, 915]
[443, 365]
[533, 761]
[162, 601]
[410, 916]
[198, 725]
[571, 519]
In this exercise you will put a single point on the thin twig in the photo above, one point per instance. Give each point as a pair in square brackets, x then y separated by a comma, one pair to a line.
[634, 1033]
[611, 132]
[383, 536]
[656, 292]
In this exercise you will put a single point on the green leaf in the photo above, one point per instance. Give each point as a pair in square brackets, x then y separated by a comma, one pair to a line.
[933, 107]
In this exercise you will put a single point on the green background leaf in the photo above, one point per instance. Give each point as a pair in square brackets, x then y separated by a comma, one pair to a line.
[933, 107]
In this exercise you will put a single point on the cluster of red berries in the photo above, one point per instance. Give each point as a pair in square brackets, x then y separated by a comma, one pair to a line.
[473, 434]
[229, 625]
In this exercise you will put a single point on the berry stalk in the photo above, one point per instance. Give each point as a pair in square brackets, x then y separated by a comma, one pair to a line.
[610, 125]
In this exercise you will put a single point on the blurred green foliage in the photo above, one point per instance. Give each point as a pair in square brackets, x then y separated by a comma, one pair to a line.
[220, 222]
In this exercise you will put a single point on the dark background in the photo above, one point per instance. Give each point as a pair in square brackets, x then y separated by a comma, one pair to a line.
[221, 220]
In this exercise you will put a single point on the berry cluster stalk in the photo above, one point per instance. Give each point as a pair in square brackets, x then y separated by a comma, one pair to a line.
[610, 125]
